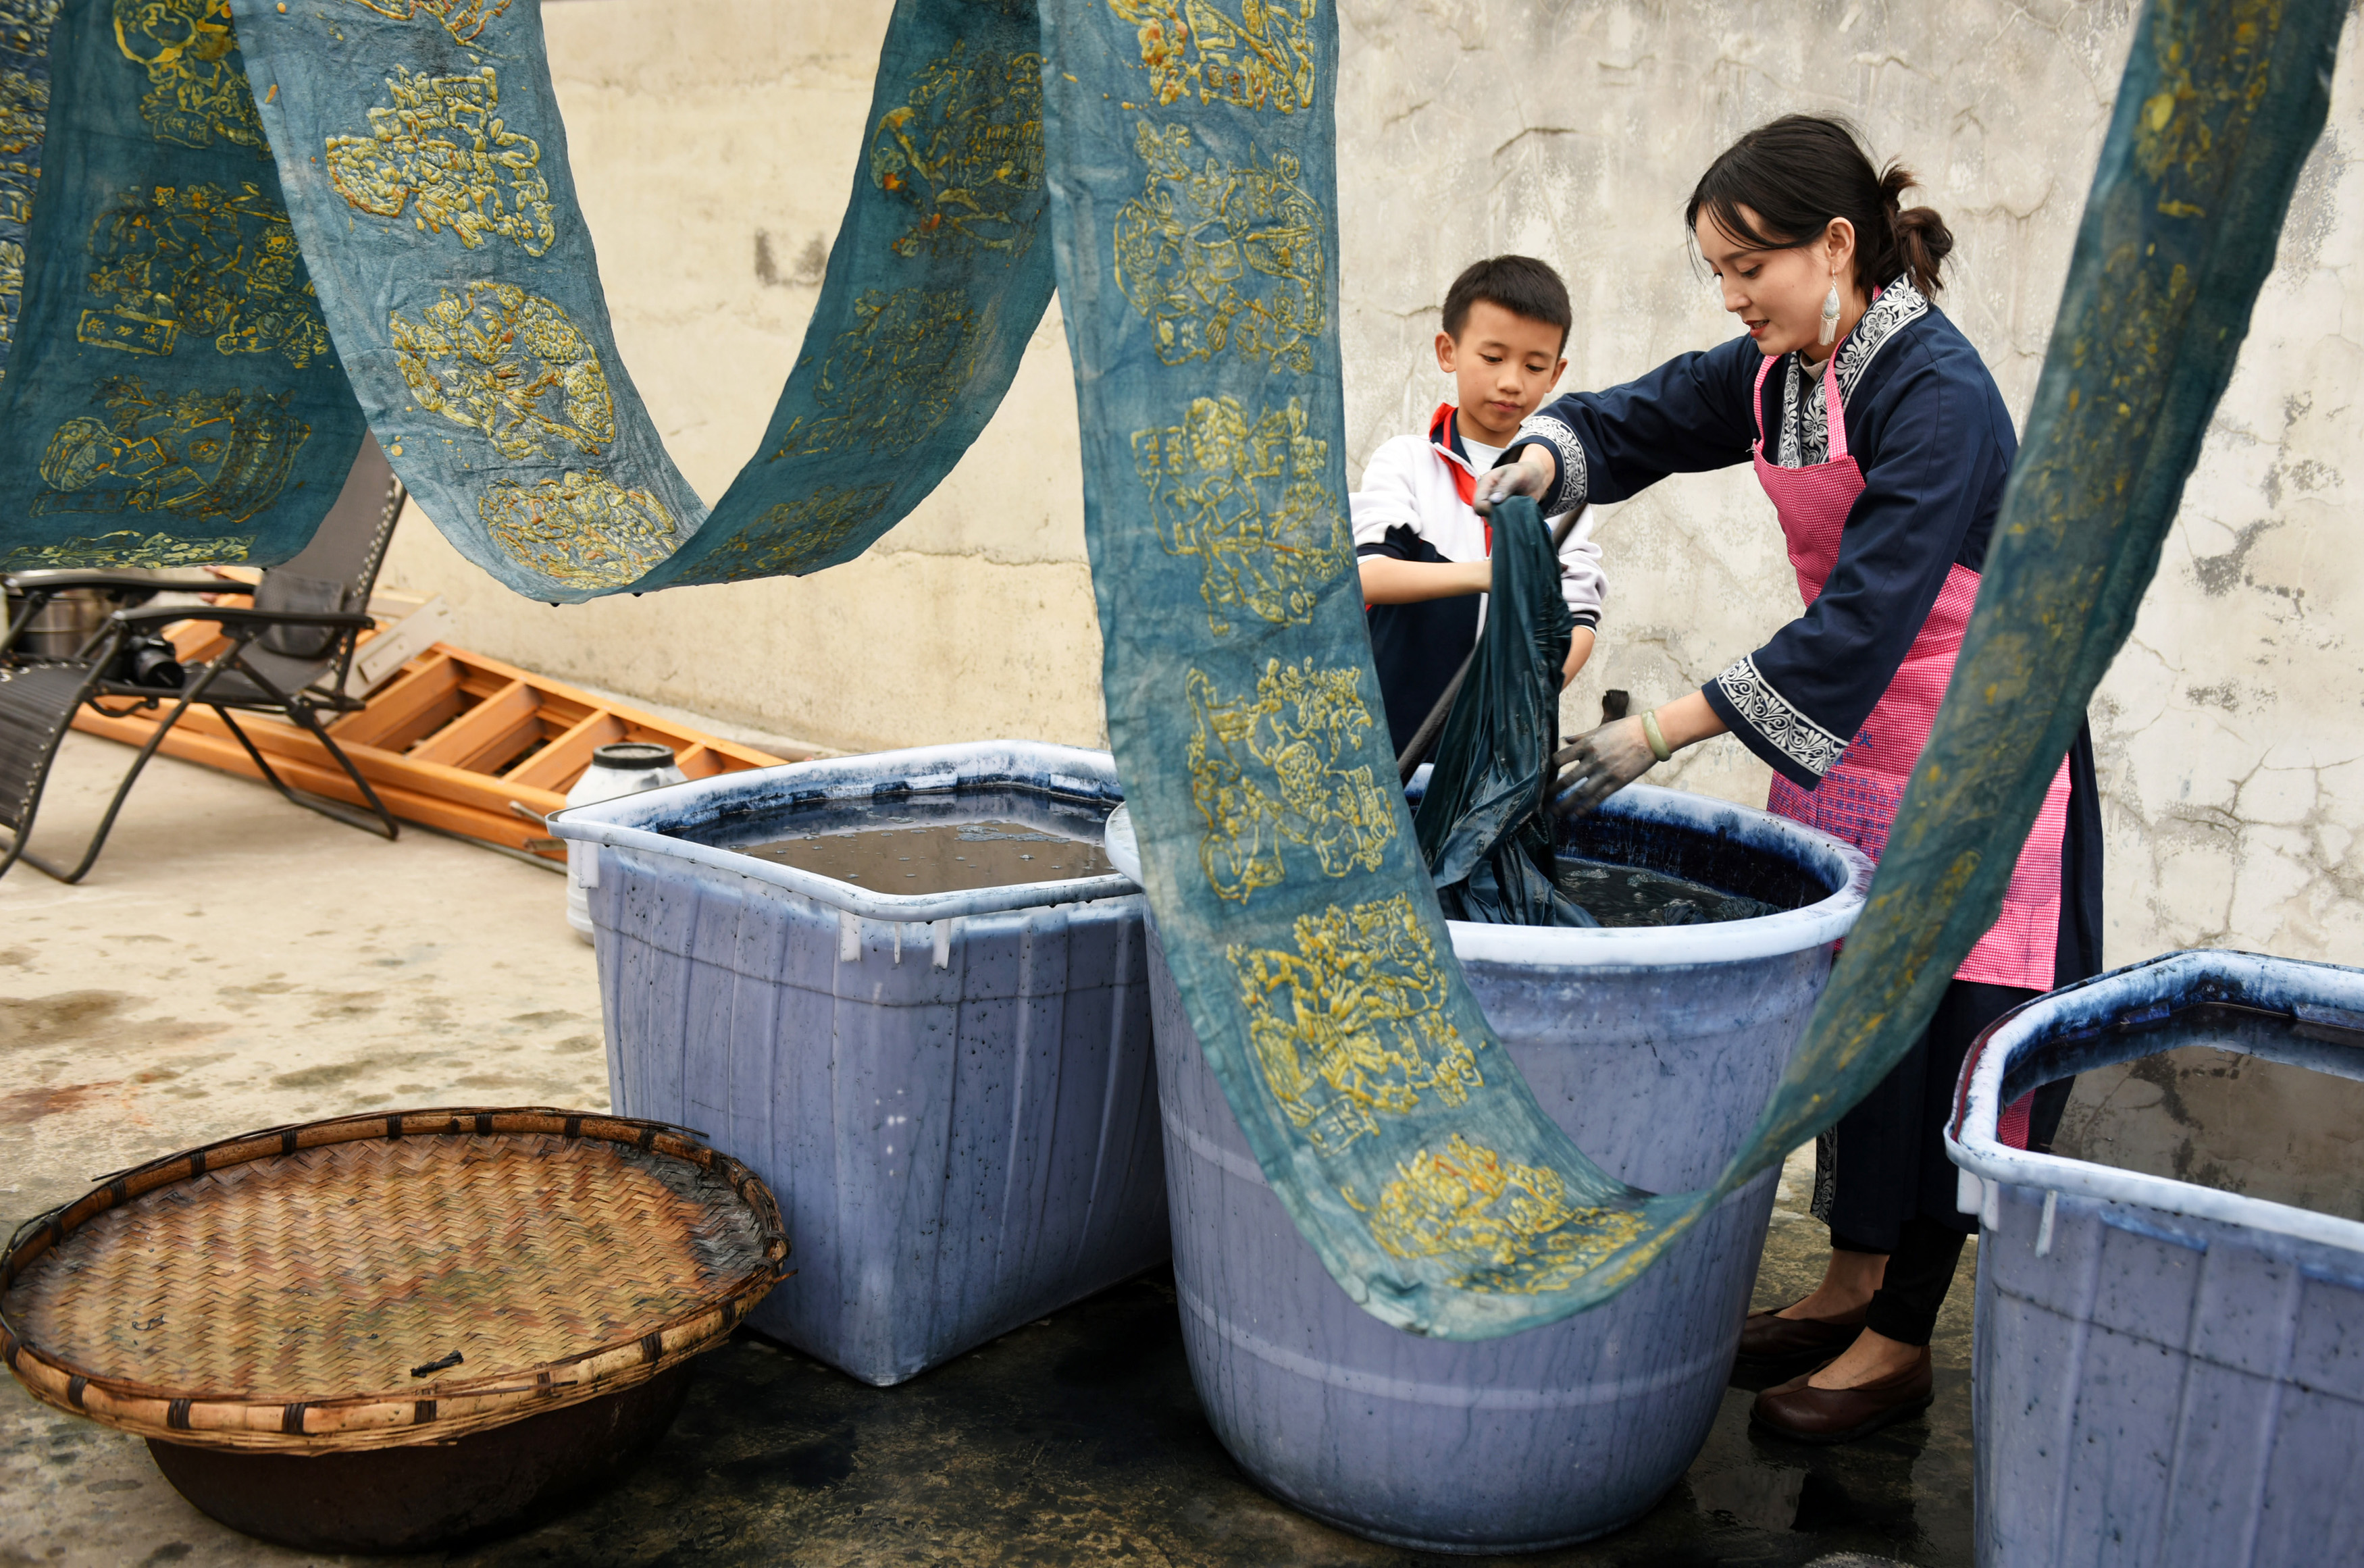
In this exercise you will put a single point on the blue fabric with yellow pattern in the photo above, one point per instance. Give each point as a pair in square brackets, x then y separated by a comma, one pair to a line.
[172, 397]
[426, 167]
[1193, 185]
[1175, 159]
[24, 112]
[1188, 157]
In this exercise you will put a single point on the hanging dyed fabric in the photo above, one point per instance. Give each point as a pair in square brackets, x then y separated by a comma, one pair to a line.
[24, 110]
[427, 172]
[1482, 827]
[172, 397]
[1188, 156]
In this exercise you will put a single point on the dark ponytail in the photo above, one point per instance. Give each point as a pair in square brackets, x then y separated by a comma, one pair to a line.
[1800, 172]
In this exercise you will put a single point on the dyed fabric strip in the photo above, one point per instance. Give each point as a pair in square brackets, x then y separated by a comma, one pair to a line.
[172, 397]
[24, 110]
[1194, 192]
[1184, 161]
[425, 161]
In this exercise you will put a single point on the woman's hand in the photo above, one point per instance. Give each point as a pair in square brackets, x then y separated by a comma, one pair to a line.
[1598, 763]
[1534, 474]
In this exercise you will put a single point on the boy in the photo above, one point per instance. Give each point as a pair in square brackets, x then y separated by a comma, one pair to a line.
[1422, 550]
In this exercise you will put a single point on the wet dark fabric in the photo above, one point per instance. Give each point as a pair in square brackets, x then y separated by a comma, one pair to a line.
[1884, 1163]
[1416, 647]
[2079, 956]
[1481, 827]
[171, 397]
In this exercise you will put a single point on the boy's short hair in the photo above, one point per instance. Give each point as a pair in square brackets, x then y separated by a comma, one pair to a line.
[1520, 284]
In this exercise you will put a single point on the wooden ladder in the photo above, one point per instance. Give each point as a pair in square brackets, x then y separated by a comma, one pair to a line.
[450, 742]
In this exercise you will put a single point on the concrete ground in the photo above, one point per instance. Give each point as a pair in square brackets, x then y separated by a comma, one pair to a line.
[235, 961]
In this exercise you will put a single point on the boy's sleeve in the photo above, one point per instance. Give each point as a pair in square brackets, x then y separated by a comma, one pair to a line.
[1385, 502]
[1582, 580]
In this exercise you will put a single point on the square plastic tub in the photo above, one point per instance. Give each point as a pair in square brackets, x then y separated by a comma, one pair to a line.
[2165, 1373]
[952, 1095]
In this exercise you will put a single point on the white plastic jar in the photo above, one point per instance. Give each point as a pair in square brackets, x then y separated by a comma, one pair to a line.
[627, 767]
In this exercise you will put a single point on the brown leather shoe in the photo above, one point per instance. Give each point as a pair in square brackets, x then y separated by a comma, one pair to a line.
[1766, 1340]
[1805, 1413]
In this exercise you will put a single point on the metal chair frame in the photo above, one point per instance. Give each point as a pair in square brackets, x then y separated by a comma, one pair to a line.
[100, 651]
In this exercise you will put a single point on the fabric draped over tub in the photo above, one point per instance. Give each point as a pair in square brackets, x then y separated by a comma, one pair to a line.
[413, 241]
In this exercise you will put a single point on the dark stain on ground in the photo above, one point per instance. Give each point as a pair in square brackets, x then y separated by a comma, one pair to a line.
[49, 1020]
[71, 1017]
[346, 1003]
[323, 1076]
[32, 1104]
[824, 1461]
[1081, 1441]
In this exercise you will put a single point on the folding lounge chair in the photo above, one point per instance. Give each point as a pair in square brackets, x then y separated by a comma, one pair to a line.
[289, 653]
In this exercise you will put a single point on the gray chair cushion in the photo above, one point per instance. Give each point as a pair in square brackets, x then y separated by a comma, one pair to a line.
[293, 592]
[35, 705]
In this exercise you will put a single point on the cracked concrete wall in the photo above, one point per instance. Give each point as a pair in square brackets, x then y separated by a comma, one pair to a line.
[714, 145]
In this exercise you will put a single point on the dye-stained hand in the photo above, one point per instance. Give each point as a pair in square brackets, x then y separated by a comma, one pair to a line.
[1597, 764]
[1533, 476]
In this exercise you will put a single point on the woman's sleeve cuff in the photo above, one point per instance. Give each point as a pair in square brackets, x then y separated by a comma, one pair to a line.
[1560, 436]
[1772, 726]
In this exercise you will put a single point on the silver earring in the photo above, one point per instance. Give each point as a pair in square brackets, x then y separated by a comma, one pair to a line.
[1830, 315]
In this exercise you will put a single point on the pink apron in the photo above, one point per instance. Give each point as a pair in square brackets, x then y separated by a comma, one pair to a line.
[1858, 797]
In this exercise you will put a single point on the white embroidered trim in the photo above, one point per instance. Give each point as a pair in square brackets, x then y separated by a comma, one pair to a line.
[1763, 708]
[1575, 481]
[1805, 423]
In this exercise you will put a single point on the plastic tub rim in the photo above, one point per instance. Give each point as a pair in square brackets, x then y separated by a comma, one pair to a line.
[1777, 935]
[1988, 1164]
[622, 823]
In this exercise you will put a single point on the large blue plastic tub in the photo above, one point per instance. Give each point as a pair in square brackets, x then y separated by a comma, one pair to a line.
[1655, 1049]
[951, 1095]
[2166, 1373]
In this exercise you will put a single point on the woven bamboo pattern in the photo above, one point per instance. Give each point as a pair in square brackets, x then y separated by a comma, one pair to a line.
[374, 1281]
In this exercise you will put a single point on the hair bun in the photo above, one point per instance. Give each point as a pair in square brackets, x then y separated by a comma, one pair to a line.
[1923, 243]
[1894, 181]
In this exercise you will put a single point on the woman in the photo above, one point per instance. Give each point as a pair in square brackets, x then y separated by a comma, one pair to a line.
[1884, 447]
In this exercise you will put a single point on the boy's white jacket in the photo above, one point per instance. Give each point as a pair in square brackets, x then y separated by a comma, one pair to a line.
[1409, 483]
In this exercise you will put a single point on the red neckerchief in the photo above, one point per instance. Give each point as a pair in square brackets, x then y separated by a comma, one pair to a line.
[1444, 435]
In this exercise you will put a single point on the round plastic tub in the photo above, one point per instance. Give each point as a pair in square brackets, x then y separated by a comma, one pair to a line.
[2164, 1372]
[1654, 1048]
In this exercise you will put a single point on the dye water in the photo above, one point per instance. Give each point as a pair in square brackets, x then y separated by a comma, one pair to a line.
[1631, 895]
[920, 844]
[2251, 1104]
